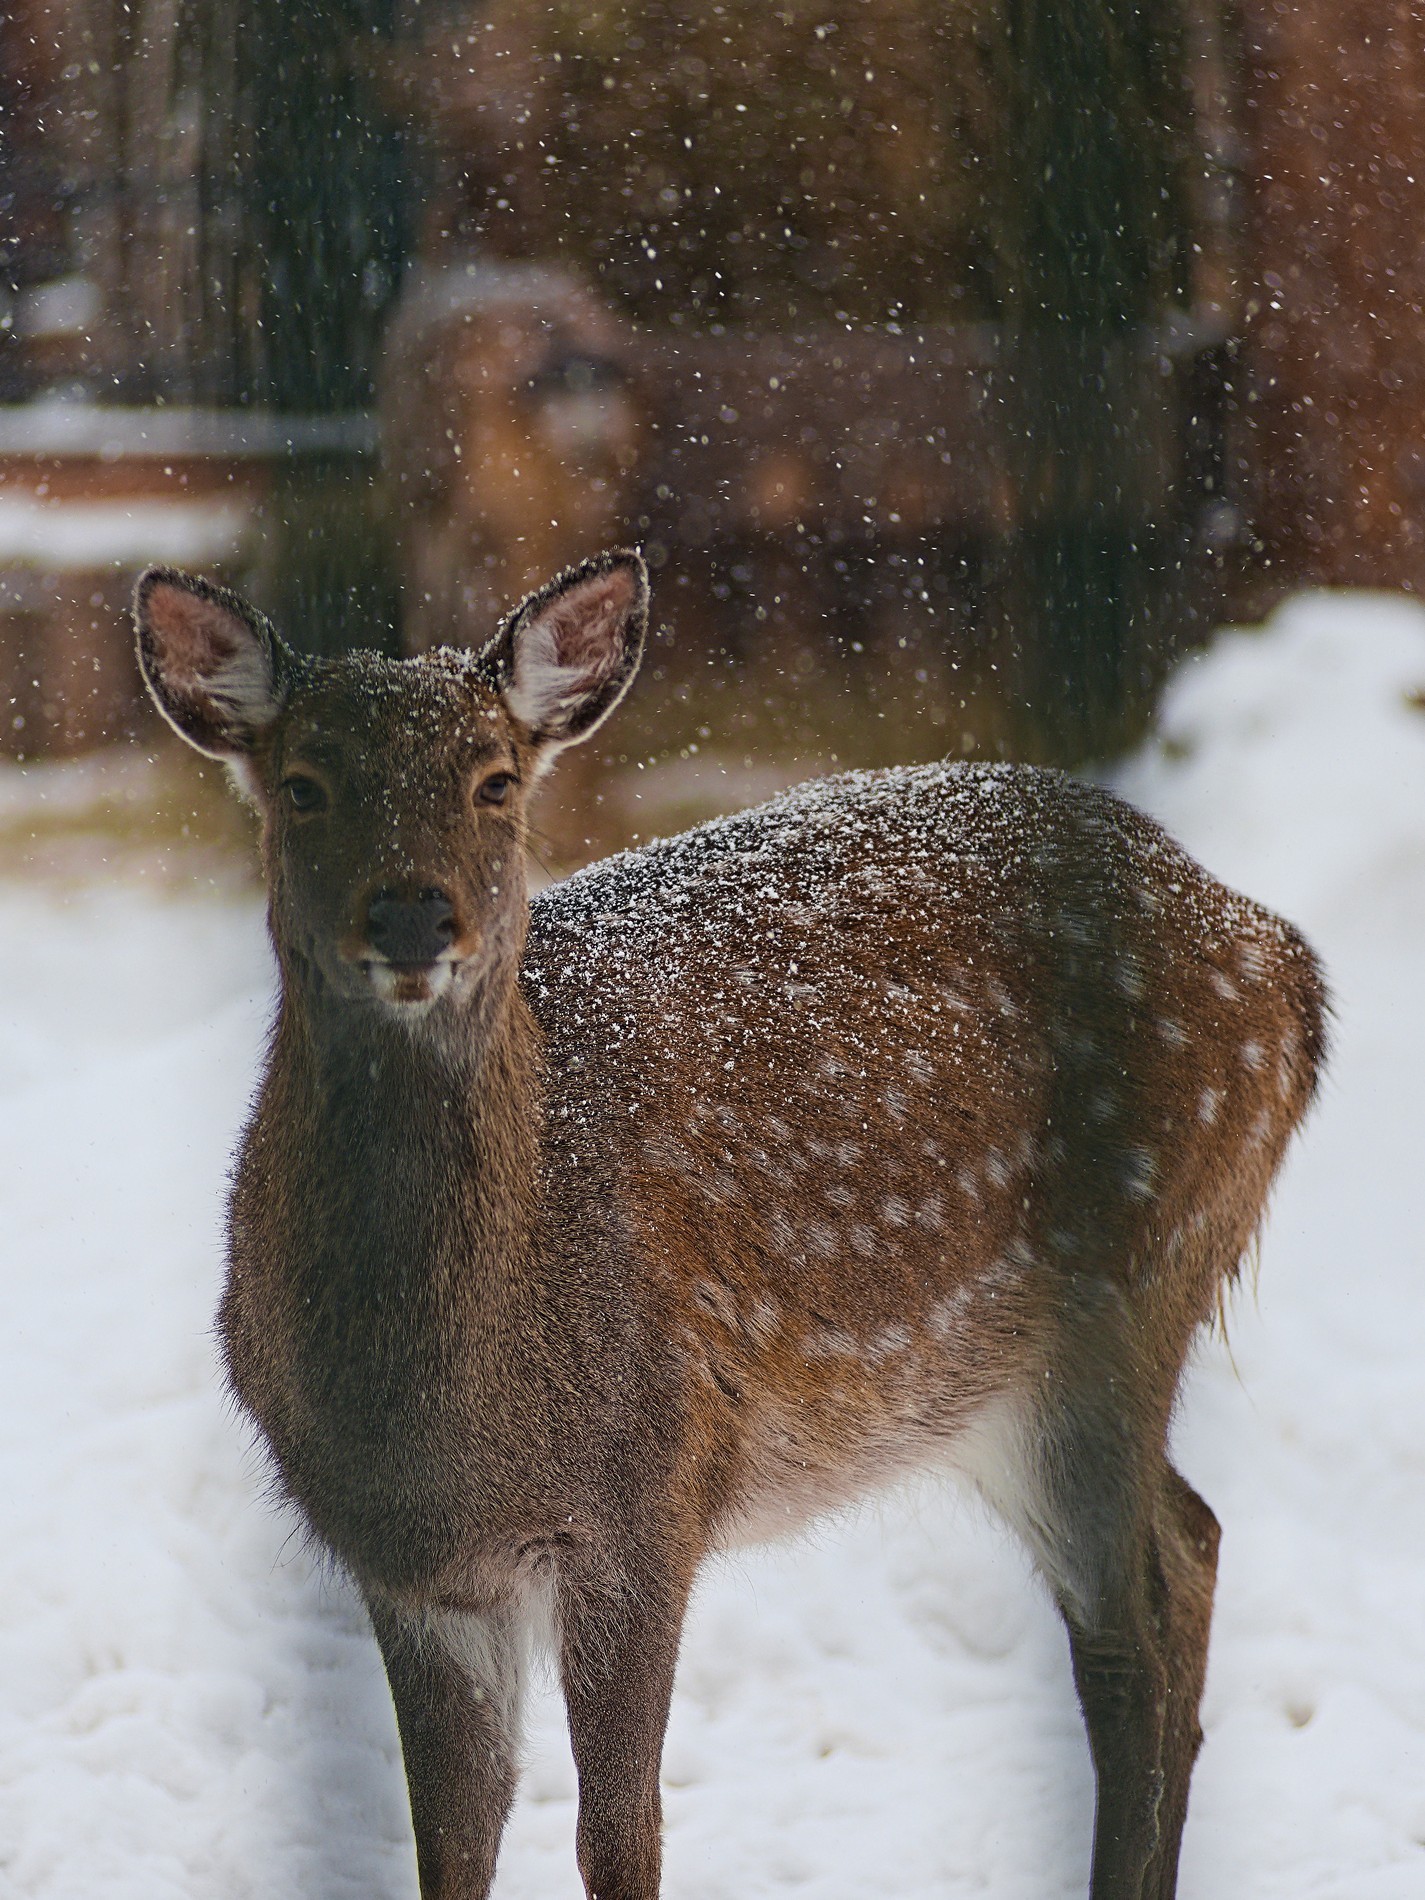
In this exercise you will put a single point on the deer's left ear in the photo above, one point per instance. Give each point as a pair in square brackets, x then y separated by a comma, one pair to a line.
[213, 664]
[567, 655]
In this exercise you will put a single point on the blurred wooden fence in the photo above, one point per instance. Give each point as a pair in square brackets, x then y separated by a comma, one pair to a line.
[1035, 324]
[875, 289]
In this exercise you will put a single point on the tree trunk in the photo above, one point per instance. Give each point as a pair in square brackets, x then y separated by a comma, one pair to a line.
[1093, 252]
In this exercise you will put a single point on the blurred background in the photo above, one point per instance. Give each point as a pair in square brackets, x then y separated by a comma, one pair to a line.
[959, 367]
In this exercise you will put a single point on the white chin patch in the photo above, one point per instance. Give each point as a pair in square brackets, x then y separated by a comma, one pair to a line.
[412, 986]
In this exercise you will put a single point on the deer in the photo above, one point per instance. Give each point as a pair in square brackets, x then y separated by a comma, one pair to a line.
[914, 1121]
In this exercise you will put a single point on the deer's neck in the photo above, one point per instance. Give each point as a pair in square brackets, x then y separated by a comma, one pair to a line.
[382, 1248]
[422, 1142]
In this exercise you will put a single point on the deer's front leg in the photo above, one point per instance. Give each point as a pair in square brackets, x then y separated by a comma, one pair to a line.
[456, 1680]
[618, 1653]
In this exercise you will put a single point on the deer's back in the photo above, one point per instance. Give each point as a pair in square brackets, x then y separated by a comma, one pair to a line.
[873, 1073]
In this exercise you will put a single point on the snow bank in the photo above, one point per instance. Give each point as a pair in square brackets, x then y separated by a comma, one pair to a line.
[1293, 763]
[192, 1712]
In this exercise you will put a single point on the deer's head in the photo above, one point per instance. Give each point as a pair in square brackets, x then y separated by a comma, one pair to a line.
[393, 793]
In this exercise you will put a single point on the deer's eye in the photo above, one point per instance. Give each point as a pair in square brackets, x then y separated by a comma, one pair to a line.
[495, 789]
[303, 794]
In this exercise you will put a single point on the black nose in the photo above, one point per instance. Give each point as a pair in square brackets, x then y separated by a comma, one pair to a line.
[410, 929]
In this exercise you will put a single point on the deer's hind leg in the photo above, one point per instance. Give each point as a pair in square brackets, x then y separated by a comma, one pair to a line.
[1138, 1624]
[1186, 1536]
[1127, 1550]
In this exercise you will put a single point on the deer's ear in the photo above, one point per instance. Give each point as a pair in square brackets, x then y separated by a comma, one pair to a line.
[566, 656]
[212, 663]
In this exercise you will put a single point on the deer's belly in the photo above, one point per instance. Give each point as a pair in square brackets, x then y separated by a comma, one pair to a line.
[798, 1468]
[811, 1413]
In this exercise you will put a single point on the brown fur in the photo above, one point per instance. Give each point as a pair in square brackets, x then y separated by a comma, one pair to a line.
[915, 1119]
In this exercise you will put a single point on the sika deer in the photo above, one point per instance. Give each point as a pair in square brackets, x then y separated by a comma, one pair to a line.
[917, 1118]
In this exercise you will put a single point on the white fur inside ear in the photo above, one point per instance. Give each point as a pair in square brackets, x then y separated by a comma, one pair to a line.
[545, 688]
[568, 652]
[211, 668]
[240, 687]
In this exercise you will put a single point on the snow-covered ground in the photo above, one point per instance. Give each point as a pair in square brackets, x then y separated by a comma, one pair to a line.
[188, 1712]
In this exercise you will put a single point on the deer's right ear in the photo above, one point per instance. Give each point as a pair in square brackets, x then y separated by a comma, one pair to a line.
[567, 655]
[212, 663]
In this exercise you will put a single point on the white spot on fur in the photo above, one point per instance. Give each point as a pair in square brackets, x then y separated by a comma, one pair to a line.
[1129, 978]
[780, 1228]
[1250, 961]
[931, 1214]
[891, 1340]
[1140, 1172]
[829, 1342]
[945, 1315]
[764, 1321]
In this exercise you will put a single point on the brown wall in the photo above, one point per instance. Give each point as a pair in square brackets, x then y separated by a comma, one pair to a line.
[1336, 177]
